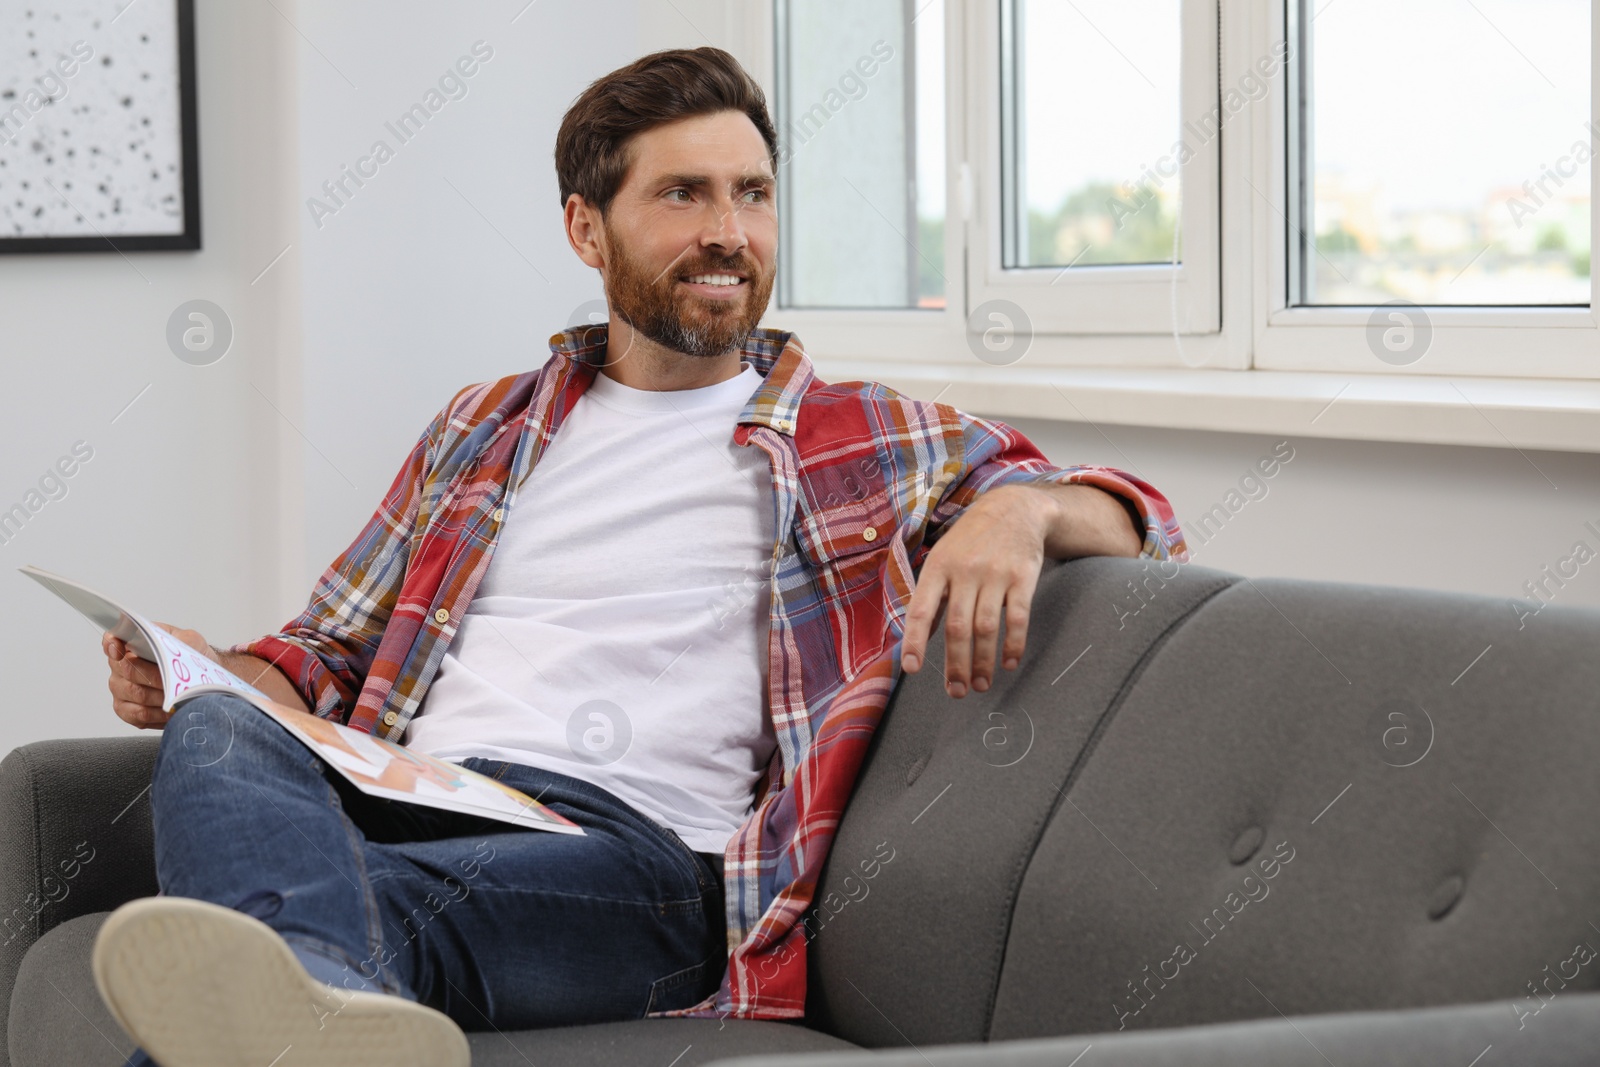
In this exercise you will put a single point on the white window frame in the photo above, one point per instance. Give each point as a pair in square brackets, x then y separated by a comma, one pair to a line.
[1108, 299]
[1258, 330]
[1510, 342]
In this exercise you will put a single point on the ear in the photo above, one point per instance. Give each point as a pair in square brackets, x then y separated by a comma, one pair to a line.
[585, 233]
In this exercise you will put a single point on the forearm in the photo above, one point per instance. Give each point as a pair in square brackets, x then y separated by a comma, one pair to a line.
[263, 675]
[1081, 520]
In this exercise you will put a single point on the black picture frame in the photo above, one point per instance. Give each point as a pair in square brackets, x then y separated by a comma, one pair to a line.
[189, 238]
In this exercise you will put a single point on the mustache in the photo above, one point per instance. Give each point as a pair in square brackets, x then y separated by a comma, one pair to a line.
[720, 265]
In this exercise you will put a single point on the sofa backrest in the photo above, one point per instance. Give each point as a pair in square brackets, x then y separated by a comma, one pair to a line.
[1206, 798]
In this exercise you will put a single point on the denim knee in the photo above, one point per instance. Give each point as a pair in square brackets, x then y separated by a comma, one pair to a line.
[208, 729]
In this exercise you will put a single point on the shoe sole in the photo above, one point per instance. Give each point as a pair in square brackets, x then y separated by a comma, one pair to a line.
[200, 985]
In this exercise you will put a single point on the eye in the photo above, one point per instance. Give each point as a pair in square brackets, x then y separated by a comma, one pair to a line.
[676, 191]
[759, 194]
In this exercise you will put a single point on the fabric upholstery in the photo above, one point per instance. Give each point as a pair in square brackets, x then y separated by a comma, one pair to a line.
[1189, 744]
[1458, 878]
[1011, 863]
[1468, 1035]
[55, 796]
[58, 1018]
[954, 788]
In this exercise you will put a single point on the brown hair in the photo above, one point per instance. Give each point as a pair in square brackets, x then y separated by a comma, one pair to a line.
[592, 145]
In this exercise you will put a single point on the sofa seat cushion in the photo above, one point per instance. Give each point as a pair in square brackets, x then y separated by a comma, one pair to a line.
[57, 1017]
[1563, 1033]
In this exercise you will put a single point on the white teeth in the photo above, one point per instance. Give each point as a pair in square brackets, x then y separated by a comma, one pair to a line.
[715, 279]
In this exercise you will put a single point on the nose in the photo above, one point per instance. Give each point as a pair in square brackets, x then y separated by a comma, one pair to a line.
[724, 229]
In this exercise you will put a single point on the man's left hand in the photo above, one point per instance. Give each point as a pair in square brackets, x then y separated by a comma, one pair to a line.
[989, 561]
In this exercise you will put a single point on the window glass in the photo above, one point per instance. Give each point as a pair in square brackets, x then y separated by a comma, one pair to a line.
[860, 115]
[1090, 116]
[1444, 147]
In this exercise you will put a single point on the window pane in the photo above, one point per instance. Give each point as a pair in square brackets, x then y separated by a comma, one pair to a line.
[1089, 123]
[1446, 152]
[860, 115]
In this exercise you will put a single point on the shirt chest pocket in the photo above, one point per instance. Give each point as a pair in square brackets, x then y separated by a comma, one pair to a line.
[843, 535]
[850, 549]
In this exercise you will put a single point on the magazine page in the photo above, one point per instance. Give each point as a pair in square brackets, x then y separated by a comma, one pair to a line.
[96, 608]
[182, 668]
[384, 769]
[375, 766]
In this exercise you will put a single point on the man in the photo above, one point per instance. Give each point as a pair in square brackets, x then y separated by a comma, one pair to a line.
[665, 584]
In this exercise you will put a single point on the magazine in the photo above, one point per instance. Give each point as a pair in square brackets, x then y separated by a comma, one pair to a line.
[373, 765]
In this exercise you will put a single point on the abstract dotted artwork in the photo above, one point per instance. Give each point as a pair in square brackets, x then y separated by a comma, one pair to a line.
[98, 145]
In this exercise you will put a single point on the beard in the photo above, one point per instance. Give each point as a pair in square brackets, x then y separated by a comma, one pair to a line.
[651, 303]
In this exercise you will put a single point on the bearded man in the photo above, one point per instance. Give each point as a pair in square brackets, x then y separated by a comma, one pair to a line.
[664, 583]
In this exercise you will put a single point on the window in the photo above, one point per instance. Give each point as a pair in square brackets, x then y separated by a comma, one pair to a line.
[1089, 102]
[860, 117]
[1350, 186]
[1441, 153]
[1097, 184]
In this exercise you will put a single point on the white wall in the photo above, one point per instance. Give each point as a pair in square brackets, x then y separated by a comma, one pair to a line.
[181, 509]
[204, 506]
[450, 266]
[1472, 520]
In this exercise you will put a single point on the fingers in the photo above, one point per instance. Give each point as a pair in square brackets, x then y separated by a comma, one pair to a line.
[126, 662]
[142, 717]
[136, 704]
[1017, 615]
[921, 617]
[135, 685]
[126, 690]
[958, 618]
[133, 668]
[972, 629]
[972, 611]
[987, 606]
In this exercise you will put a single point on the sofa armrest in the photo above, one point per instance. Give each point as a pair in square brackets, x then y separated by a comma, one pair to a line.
[75, 838]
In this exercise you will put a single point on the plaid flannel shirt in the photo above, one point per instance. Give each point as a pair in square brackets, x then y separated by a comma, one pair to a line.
[865, 481]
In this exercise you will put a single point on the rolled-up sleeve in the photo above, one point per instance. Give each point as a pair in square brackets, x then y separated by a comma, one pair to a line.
[995, 454]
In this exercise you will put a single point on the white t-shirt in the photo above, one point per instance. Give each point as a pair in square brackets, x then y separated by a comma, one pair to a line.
[620, 632]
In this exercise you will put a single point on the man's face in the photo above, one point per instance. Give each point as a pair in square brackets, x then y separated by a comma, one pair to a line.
[692, 234]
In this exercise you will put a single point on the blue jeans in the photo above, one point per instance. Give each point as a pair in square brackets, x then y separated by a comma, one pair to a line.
[496, 926]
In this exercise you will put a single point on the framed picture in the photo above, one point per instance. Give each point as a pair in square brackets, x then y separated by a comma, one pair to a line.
[98, 140]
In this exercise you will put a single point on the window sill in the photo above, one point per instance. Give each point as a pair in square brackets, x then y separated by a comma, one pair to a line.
[1561, 415]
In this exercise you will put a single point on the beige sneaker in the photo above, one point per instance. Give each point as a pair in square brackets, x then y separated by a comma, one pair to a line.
[200, 985]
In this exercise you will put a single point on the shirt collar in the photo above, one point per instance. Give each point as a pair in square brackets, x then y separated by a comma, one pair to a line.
[785, 368]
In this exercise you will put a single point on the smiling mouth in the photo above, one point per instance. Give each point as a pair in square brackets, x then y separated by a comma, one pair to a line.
[720, 281]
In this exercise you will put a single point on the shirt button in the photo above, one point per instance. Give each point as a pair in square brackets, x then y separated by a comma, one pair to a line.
[441, 616]
[785, 425]
[390, 718]
[870, 533]
[499, 514]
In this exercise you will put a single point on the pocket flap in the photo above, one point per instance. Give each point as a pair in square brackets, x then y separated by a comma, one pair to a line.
[829, 534]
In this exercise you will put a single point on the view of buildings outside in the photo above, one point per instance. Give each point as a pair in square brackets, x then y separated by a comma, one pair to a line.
[1450, 149]
[1098, 106]
[1449, 146]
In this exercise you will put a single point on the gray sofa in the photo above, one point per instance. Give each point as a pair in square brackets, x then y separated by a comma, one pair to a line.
[1209, 821]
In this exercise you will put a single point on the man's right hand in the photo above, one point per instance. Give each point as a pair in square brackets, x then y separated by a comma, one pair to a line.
[135, 682]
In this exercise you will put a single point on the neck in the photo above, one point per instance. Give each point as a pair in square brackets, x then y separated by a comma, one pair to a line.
[636, 361]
